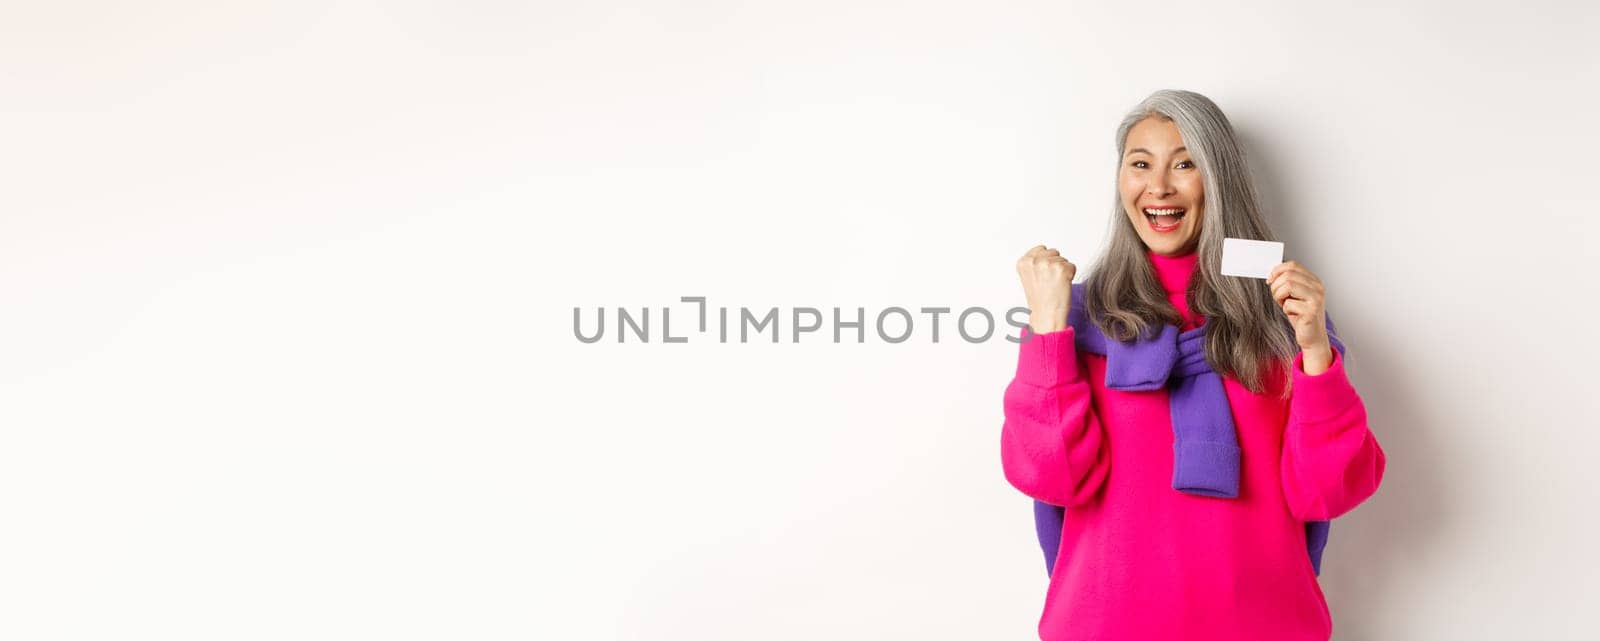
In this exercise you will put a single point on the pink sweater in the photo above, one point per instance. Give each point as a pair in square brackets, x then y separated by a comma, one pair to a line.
[1140, 561]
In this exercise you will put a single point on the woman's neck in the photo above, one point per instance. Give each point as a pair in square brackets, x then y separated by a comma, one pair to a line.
[1174, 271]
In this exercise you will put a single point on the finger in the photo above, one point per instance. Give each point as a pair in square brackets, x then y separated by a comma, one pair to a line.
[1312, 283]
[1280, 293]
[1279, 268]
[1305, 286]
[1302, 311]
[1284, 268]
[1033, 250]
[1304, 274]
[1299, 278]
[1294, 289]
[1040, 250]
[1274, 275]
[1284, 290]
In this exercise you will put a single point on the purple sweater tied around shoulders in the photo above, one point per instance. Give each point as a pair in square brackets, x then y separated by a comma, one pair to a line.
[1205, 443]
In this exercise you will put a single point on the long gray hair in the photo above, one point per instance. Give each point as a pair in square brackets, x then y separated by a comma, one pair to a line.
[1247, 330]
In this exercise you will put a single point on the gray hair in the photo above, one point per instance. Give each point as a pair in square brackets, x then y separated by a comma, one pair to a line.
[1247, 330]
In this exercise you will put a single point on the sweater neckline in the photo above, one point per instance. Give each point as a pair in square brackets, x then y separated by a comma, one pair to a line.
[1174, 272]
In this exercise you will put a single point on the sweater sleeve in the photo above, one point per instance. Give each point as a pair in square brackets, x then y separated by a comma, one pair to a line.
[1331, 460]
[1052, 445]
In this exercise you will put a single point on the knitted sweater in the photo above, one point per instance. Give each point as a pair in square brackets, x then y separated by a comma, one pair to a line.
[1140, 561]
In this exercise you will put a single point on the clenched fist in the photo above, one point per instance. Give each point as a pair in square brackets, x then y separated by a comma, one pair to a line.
[1047, 282]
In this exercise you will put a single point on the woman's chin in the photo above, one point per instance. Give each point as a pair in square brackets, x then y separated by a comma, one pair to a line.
[1162, 245]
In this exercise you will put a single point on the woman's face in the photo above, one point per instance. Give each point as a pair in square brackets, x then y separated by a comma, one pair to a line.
[1157, 174]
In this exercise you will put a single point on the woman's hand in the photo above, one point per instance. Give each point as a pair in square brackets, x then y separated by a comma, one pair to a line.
[1299, 293]
[1047, 282]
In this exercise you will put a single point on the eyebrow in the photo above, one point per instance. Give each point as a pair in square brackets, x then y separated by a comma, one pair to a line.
[1137, 150]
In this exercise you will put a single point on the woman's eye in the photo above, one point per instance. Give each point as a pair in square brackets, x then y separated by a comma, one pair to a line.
[1138, 163]
[1186, 162]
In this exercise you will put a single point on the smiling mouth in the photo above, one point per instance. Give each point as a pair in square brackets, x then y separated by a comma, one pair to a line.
[1164, 218]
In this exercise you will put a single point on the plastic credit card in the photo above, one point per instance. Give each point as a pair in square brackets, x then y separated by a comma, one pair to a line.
[1250, 258]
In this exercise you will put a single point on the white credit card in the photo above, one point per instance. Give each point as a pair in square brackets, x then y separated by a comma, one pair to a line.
[1250, 258]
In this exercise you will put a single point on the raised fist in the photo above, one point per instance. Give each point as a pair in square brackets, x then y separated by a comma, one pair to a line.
[1047, 283]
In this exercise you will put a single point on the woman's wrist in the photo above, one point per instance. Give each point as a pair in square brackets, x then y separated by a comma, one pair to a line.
[1044, 323]
[1316, 359]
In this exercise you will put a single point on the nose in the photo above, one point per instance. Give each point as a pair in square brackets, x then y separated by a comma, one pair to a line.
[1159, 186]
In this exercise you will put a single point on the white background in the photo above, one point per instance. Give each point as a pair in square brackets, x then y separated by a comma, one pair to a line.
[286, 348]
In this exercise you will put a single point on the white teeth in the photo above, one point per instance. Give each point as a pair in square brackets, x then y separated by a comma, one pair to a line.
[1163, 212]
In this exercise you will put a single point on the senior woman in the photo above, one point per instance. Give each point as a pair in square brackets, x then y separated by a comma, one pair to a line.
[1186, 436]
